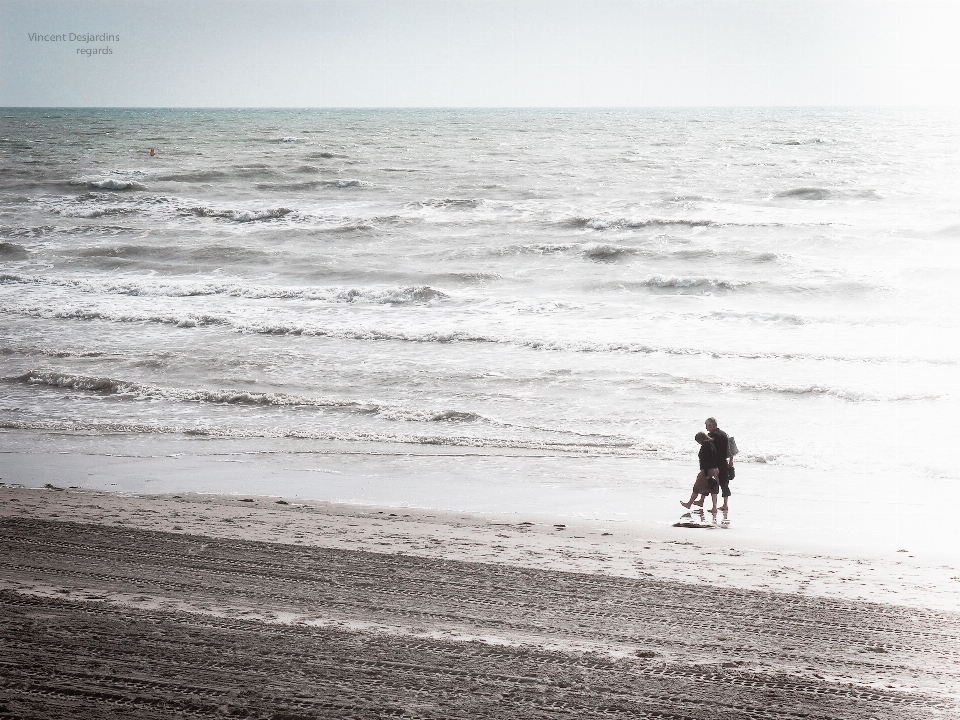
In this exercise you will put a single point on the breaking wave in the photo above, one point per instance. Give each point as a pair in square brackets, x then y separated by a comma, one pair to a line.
[440, 336]
[594, 223]
[50, 352]
[627, 448]
[94, 213]
[817, 389]
[141, 287]
[241, 216]
[451, 203]
[138, 391]
[114, 184]
[660, 282]
[311, 184]
[765, 317]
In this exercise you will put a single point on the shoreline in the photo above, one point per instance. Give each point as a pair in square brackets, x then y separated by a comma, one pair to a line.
[606, 547]
[775, 508]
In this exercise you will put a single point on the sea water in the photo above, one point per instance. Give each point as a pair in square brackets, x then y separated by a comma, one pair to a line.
[498, 310]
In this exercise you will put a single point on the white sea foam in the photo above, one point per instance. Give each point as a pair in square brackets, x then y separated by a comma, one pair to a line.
[375, 333]
[140, 391]
[242, 216]
[151, 287]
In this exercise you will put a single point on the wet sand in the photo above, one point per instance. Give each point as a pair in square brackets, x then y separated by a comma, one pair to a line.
[140, 606]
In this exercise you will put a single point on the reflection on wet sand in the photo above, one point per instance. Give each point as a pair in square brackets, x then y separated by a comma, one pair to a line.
[704, 519]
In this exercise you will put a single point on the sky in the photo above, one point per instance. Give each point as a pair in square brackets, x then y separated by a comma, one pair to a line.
[480, 53]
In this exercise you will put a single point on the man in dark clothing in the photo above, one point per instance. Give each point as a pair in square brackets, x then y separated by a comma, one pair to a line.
[724, 459]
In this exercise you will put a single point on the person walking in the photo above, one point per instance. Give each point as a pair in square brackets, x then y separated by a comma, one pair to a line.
[707, 483]
[721, 443]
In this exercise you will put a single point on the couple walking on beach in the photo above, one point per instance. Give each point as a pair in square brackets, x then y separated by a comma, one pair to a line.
[716, 466]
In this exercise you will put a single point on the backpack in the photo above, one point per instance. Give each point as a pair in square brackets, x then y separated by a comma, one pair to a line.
[731, 450]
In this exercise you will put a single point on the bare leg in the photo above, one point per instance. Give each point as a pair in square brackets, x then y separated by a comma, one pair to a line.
[689, 502]
[713, 496]
[725, 488]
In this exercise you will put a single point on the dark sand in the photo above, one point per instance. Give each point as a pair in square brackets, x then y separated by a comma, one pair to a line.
[109, 622]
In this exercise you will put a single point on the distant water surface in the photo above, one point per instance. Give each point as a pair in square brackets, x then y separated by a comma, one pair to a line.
[551, 283]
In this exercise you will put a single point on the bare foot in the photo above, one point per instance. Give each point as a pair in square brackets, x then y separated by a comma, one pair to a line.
[724, 508]
[698, 504]
[686, 505]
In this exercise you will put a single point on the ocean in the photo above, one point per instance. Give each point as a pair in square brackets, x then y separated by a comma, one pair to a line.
[497, 310]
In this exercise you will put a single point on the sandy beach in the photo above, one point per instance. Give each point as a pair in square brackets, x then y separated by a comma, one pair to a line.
[121, 605]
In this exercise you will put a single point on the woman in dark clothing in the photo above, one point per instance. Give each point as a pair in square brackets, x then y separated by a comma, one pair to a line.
[708, 478]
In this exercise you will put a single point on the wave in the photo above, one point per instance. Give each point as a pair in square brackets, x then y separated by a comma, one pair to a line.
[114, 184]
[12, 251]
[349, 228]
[554, 446]
[701, 253]
[165, 255]
[594, 223]
[311, 184]
[193, 176]
[38, 231]
[689, 199]
[132, 390]
[411, 294]
[138, 391]
[242, 216]
[687, 284]
[94, 213]
[349, 224]
[536, 249]
[670, 382]
[766, 317]
[448, 336]
[451, 203]
[792, 141]
[471, 277]
[816, 389]
[604, 252]
[202, 175]
[111, 184]
[681, 283]
[48, 352]
[805, 193]
[325, 155]
[612, 251]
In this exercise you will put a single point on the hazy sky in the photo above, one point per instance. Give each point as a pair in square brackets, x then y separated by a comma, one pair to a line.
[481, 53]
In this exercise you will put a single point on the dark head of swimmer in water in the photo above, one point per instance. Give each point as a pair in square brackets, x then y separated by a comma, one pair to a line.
[152, 152]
